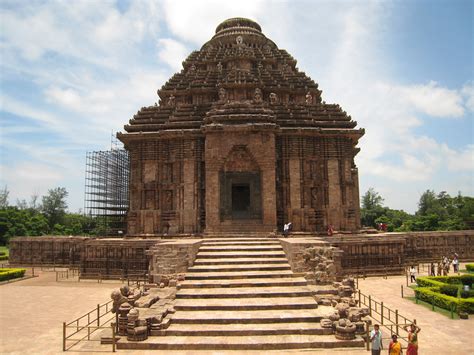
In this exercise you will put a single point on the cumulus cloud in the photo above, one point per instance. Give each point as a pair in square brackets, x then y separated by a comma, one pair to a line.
[172, 52]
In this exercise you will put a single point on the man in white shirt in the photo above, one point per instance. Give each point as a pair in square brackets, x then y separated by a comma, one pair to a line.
[376, 340]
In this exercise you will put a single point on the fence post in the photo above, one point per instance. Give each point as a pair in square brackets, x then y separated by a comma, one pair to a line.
[359, 299]
[98, 315]
[402, 290]
[367, 337]
[452, 310]
[406, 276]
[56, 276]
[396, 322]
[64, 336]
[33, 270]
[113, 337]
[381, 312]
[370, 305]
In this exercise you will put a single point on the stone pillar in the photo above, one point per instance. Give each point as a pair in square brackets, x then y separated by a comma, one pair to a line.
[189, 210]
[334, 206]
[295, 213]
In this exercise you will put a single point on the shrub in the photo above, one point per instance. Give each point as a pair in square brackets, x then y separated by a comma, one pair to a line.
[467, 294]
[467, 280]
[2, 253]
[450, 290]
[8, 274]
[3, 257]
[470, 267]
[425, 281]
[429, 294]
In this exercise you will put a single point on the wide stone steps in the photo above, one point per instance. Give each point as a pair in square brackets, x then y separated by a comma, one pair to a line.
[238, 267]
[247, 282]
[250, 316]
[226, 261]
[241, 294]
[240, 254]
[245, 292]
[225, 275]
[256, 342]
[245, 304]
[246, 329]
[232, 248]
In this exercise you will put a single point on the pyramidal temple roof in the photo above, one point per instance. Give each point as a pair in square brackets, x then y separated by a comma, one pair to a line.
[240, 76]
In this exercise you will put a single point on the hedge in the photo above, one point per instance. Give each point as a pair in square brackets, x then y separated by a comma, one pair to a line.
[470, 267]
[438, 281]
[429, 294]
[8, 274]
[449, 290]
[2, 253]
[3, 257]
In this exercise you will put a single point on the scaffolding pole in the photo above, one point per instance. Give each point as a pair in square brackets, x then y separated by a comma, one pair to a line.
[106, 198]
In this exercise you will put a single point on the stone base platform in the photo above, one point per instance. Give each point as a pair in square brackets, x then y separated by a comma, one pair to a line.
[254, 342]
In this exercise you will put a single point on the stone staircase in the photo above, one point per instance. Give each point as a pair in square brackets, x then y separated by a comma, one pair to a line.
[242, 295]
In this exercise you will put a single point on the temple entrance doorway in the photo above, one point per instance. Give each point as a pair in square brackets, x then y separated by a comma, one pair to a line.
[240, 199]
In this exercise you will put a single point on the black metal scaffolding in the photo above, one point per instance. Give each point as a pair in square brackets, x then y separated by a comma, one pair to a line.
[106, 198]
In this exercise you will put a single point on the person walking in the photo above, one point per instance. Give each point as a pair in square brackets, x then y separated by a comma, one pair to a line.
[376, 340]
[395, 348]
[432, 269]
[412, 274]
[413, 331]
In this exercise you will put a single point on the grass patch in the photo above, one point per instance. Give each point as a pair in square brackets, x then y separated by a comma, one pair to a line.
[9, 274]
[437, 309]
[4, 249]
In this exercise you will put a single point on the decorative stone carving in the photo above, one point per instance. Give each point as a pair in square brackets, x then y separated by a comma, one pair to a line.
[257, 96]
[345, 329]
[309, 98]
[219, 67]
[321, 262]
[326, 323]
[273, 98]
[222, 95]
[171, 101]
[137, 329]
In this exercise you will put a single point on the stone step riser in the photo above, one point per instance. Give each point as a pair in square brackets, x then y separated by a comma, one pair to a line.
[316, 331]
[246, 307]
[237, 262]
[240, 244]
[238, 249]
[236, 256]
[245, 295]
[279, 283]
[250, 268]
[255, 320]
[233, 277]
[256, 346]
[247, 243]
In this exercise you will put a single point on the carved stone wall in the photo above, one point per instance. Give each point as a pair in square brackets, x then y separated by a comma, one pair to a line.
[166, 186]
[317, 183]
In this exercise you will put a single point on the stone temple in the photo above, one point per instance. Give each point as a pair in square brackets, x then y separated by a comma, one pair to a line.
[241, 141]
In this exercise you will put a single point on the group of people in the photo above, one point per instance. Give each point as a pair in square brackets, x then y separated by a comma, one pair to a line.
[395, 348]
[444, 265]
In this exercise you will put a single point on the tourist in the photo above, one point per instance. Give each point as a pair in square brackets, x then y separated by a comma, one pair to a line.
[412, 274]
[395, 348]
[456, 263]
[376, 340]
[432, 269]
[286, 229]
[438, 273]
[330, 230]
[413, 331]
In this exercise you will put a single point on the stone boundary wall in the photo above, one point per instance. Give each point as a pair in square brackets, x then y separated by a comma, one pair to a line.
[295, 247]
[46, 250]
[169, 258]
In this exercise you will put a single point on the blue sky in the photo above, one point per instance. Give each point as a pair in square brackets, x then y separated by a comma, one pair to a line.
[74, 71]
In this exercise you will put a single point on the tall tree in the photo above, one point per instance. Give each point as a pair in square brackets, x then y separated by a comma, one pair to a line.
[54, 206]
[4, 197]
[371, 207]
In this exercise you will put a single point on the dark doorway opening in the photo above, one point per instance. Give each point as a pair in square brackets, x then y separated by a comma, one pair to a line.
[240, 197]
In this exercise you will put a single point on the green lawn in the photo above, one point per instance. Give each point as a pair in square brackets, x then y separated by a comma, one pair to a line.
[437, 309]
[5, 249]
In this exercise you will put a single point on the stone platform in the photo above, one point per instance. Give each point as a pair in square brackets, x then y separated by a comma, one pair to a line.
[241, 294]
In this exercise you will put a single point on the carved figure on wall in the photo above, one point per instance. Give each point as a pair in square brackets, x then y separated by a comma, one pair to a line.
[257, 96]
[273, 98]
[219, 67]
[309, 98]
[239, 40]
[222, 95]
[171, 101]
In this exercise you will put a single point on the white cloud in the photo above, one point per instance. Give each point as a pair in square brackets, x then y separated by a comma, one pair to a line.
[196, 21]
[434, 100]
[172, 52]
[468, 94]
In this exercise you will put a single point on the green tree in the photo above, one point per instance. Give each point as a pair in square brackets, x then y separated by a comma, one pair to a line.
[4, 197]
[371, 207]
[54, 206]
